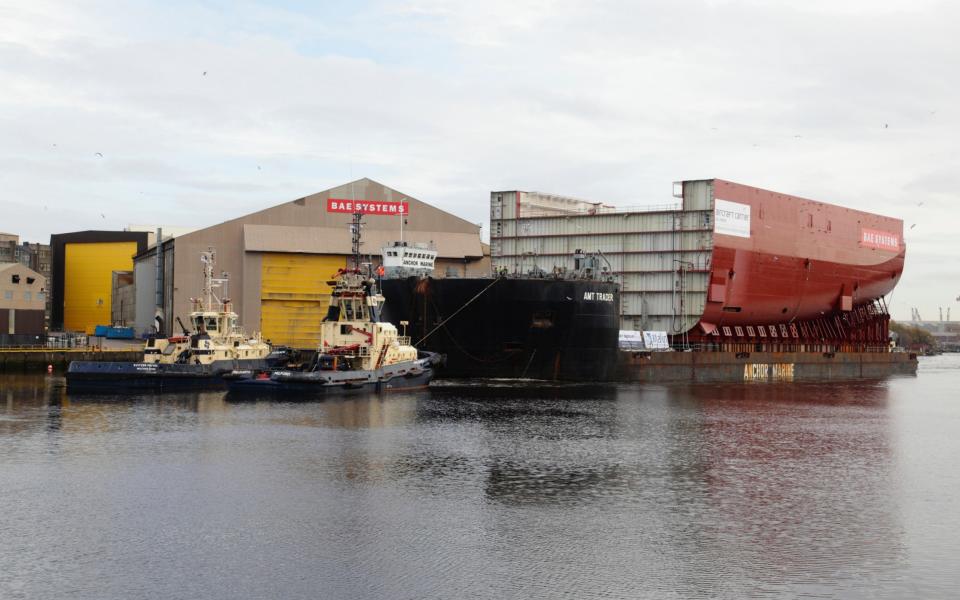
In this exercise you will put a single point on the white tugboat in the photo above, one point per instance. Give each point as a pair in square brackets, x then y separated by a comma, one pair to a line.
[217, 345]
[357, 350]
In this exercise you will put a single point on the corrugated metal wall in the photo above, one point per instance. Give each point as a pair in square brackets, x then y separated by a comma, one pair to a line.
[88, 275]
[660, 258]
[294, 296]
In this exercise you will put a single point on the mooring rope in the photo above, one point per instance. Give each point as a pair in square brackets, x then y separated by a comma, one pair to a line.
[466, 304]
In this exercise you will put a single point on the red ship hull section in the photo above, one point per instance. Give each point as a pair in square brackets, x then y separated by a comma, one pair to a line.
[782, 259]
[770, 289]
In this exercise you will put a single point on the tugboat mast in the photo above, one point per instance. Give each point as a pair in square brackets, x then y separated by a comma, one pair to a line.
[355, 231]
[209, 299]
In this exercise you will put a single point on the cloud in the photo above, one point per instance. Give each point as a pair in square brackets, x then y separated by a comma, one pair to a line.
[851, 103]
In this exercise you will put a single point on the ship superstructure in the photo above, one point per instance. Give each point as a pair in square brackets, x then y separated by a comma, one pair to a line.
[408, 259]
[217, 335]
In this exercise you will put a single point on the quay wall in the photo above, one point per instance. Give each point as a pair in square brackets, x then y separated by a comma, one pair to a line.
[710, 367]
[29, 360]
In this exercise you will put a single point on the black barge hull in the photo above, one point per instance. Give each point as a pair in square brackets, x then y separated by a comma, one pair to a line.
[547, 328]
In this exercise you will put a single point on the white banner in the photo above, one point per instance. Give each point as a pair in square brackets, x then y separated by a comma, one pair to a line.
[631, 340]
[656, 340]
[731, 218]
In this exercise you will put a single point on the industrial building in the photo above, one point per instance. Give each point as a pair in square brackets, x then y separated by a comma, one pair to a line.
[280, 259]
[83, 266]
[659, 253]
[22, 302]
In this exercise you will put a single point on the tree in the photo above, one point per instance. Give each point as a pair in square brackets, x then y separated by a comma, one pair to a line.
[913, 338]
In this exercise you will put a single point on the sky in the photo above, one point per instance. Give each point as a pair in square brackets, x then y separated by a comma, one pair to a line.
[192, 113]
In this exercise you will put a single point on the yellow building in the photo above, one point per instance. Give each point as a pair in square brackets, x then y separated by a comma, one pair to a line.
[83, 266]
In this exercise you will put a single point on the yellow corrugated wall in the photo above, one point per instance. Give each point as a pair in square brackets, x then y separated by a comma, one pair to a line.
[87, 281]
[294, 296]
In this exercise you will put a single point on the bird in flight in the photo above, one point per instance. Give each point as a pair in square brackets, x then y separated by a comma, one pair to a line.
[98, 154]
[204, 73]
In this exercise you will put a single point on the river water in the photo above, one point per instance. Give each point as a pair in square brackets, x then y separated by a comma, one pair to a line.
[500, 490]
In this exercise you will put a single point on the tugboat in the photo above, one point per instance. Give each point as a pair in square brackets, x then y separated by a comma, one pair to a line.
[358, 351]
[198, 358]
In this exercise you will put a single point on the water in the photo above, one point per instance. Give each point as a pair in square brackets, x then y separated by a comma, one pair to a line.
[499, 491]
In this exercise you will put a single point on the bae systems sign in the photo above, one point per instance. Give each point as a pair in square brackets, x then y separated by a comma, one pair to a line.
[731, 218]
[872, 238]
[368, 207]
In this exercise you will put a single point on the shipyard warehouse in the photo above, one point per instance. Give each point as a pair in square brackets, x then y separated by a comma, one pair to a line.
[280, 260]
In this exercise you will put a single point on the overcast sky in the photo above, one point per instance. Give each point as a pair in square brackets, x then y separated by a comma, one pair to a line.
[204, 111]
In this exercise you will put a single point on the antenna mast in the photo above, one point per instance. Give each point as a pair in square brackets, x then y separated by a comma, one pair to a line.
[210, 301]
[355, 231]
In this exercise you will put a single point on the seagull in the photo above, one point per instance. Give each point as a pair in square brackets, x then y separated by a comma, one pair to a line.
[204, 73]
[258, 167]
[912, 226]
[103, 216]
[98, 154]
[886, 125]
[920, 203]
[798, 136]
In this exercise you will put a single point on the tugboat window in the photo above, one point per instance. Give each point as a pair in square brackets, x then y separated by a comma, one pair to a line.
[211, 323]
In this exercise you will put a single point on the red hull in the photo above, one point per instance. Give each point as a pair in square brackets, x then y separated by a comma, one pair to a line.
[771, 289]
[788, 260]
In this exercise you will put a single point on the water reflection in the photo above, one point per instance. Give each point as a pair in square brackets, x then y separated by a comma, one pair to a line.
[791, 481]
[797, 478]
[593, 492]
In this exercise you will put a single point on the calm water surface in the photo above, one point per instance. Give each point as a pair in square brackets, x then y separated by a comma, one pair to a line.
[507, 490]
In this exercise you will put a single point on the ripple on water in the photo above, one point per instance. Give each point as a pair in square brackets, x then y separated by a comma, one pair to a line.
[507, 490]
